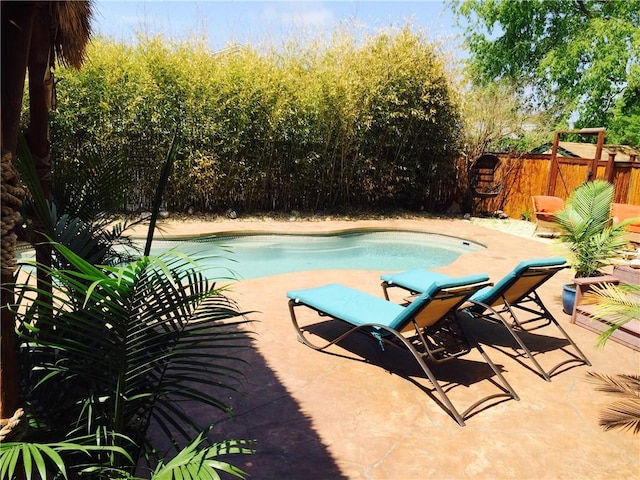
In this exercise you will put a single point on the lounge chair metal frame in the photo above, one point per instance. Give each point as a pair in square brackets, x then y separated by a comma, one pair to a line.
[387, 285]
[527, 300]
[520, 294]
[426, 343]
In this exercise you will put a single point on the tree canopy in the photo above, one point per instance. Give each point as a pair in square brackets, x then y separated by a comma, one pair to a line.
[577, 59]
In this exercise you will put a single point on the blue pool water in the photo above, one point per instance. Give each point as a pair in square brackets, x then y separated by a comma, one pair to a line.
[255, 256]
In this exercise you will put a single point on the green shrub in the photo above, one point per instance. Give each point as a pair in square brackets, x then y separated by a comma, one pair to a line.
[314, 125]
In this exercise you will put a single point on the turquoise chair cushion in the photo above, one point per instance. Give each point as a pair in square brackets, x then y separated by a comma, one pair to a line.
[348, 304]
[490, 294]
[415, 280]
[358, 308]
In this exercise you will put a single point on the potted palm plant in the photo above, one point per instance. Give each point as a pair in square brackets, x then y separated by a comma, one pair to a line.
[587, 230]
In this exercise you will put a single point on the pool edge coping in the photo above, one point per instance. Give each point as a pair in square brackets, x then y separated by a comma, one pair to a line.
[335, 231]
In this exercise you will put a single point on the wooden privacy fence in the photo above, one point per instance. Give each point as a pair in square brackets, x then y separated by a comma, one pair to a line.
[522, 176]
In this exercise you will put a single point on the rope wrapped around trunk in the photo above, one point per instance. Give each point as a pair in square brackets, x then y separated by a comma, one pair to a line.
[12, 428]
[11, 197]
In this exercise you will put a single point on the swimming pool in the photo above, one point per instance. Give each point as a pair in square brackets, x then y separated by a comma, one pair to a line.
[262, 255]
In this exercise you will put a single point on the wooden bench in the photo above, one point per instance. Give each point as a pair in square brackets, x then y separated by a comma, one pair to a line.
[628, 334]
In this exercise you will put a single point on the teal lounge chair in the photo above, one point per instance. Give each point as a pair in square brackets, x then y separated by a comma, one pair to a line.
[516, 291]
[427, 327]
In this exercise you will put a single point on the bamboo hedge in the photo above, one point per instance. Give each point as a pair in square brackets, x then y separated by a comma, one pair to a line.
[319, 125]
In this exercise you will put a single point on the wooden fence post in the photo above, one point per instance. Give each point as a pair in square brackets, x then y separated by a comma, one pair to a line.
[553, 169]
[610, 171]
[593, 174]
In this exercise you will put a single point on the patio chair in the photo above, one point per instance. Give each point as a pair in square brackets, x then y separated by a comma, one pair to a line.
[544, 209]
[427, 327]
[625, 211]
[516, 291]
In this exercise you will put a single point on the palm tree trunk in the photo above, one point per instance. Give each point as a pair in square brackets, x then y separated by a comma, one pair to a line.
[40, 101]
[17, 25]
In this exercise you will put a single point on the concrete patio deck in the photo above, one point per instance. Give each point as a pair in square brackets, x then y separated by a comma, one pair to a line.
[335, 416]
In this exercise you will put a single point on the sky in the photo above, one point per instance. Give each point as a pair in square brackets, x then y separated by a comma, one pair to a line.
[224, 23]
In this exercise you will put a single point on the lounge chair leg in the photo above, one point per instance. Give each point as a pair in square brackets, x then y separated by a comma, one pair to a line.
[503, 380]
[385, 285]
[544, 314]
[553, 319]
[425, 368]
[301, 337]
[515, 336]
[441, 341]
[443, 396]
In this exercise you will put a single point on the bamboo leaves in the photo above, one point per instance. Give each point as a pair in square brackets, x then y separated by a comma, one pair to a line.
[319, 124]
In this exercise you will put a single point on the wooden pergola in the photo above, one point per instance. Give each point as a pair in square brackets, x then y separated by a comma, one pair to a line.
[592, 172]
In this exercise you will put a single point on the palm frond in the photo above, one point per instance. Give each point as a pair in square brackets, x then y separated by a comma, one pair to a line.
[625, 384]
[592, 200]
[81, 216]
[587, 228]
[46, 459]
[614, 305]
[195, 462]
[624, 413]
[125, 343]
[39, 208]
[92, 186]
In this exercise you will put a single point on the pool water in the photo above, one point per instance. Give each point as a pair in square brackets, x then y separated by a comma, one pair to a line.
[255, 256]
